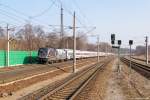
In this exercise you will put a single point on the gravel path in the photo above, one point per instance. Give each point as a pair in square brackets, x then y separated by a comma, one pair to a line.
[109, 85]
[114, 91]
[138, 87]
[95, 90]
[105, 86]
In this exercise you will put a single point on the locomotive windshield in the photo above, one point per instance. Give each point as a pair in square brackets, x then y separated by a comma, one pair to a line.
[42, 52]
[46, 52]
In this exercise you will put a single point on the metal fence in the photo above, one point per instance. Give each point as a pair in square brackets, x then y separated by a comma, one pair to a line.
[17, 57]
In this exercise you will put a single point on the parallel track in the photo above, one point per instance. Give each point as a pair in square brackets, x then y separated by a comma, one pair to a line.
[141, 68]
[140, 59]
[6, 77]
[68, 88]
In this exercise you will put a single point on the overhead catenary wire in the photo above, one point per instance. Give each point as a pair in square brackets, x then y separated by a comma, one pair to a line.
[69, 12]
[5, 22]
[81, 12]
[44, 11]
[11, 17]
[21, 13]
[14, 15]
[26, 17]
[22, 17]
[79, 20]
[53, 3]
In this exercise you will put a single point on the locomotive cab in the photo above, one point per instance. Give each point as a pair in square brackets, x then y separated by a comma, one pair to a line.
[46, 54]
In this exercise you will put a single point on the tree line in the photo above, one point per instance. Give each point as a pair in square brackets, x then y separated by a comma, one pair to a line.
[31, 37]
[141, 50]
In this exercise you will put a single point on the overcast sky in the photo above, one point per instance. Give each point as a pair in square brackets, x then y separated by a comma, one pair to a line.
[128, 19]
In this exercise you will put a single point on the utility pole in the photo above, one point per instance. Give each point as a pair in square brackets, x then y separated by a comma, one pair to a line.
[62, 28]
[67, 43]
[7, 60]
[106, 50]
[146, 49]
[30, 42]
[97, 48]
[74, 44]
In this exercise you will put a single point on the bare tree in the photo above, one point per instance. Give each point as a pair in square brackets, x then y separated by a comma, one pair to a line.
[39, 37]
[52, 40]
[32, 37]
[2, 38]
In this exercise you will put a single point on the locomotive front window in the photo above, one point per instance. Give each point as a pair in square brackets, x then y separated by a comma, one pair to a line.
[42, 50]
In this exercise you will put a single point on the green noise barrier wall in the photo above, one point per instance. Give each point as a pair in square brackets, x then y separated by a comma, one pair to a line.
[18, 57]
[2, 58]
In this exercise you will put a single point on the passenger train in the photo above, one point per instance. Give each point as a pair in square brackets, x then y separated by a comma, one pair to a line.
[50, 55]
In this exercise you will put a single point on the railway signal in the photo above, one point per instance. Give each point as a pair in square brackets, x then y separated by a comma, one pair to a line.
[119, 42]
[117, 47]
[112, 42]
[130, 43]
[113, 37]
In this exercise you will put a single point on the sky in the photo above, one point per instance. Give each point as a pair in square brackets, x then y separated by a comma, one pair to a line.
[128, 19]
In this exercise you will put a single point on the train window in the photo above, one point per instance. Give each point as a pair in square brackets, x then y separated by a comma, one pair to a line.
[42, 50]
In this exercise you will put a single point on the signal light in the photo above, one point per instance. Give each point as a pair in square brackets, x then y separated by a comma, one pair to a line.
[112, 42]
[130, 42]
[113, 37]
[119, 42]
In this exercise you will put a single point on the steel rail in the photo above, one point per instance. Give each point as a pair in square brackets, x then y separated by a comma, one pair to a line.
[45, 90]
[71, 88]
[142, 68]
[140, 59]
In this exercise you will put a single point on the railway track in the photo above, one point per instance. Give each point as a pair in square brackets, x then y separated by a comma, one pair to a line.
[6, 77]
[68, 88]
[141, 68]
[16, 85]
[140, 59]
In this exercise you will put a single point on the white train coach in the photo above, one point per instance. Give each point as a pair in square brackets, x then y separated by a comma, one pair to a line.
[51, 55]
